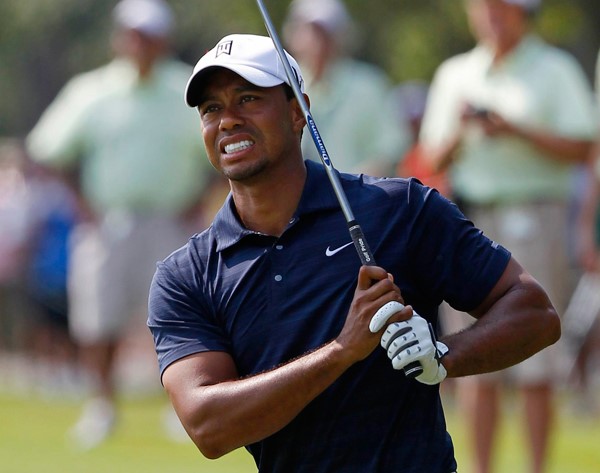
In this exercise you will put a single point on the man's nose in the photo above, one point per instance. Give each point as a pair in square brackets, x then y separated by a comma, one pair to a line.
[230, 118]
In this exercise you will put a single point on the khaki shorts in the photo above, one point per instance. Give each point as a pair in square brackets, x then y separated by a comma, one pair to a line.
[111, 268]
[536, 235]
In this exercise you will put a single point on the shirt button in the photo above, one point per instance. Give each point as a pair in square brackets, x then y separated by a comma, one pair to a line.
[279, 247]
[278, 277]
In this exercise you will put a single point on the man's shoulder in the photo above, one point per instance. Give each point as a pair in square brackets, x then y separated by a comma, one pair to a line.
[87, 87]
[553, 57]
[94, 77]
[176, 66]
[382, 191]
[192, 254]
[175, 73]
[461, 63]
[361, 72]
[366, 182]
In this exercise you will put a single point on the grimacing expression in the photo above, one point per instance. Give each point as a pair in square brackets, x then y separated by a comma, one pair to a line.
[246, 128]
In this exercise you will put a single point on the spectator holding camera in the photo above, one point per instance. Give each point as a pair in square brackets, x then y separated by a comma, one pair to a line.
[510, 119]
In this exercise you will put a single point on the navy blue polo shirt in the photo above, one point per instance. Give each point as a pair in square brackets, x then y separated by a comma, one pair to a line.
[266, 300]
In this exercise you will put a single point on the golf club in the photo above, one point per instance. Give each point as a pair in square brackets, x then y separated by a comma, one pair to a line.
[360, 243]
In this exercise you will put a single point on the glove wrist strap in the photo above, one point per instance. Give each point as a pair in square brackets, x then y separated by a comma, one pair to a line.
[441, 350]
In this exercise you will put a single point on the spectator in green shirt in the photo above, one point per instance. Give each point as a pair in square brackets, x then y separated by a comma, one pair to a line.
[134, 145]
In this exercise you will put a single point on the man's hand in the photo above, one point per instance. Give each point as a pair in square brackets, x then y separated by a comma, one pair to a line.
[375, 288]
[413, 340]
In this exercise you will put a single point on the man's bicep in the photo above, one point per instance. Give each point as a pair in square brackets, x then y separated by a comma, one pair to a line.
[182, 378]
[200, 369]
[513, 275]
[185, 381]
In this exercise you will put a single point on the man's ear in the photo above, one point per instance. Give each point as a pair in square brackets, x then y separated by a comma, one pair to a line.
[307, 100]
[298, 116]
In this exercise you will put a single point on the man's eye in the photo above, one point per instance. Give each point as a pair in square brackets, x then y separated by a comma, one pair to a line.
[208, 109]
[248, 98]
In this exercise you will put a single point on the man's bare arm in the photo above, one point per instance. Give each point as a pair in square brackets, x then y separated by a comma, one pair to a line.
[557, 147]
[222, 412]
[561, 148]
[514, 322]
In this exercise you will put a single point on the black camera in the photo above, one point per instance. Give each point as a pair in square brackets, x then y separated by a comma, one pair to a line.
[478, 112]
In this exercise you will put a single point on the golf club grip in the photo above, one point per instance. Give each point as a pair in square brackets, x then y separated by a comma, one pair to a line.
[413, 369]
[360, 243]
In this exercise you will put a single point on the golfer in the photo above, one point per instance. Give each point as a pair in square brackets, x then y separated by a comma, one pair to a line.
[261, 322]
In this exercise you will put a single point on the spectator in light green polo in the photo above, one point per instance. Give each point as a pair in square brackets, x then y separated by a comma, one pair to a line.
[351, 100]
[141, 166]
[587, 249]
[511, 118]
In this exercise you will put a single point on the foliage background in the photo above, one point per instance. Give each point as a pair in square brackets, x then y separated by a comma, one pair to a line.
[45, 42]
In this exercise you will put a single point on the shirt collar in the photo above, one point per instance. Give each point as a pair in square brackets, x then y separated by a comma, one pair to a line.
[316, 195]
[521, 53]
[124, 71]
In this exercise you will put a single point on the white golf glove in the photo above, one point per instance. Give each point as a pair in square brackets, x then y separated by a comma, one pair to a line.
[414, 340]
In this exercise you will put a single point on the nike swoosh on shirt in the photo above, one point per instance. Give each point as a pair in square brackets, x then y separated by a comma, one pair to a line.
[330, 252]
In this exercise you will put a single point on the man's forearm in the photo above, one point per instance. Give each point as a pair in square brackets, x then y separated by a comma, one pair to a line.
[519, 325]
[441, 157]
[222, 412]
[235, 413]
[562, 149]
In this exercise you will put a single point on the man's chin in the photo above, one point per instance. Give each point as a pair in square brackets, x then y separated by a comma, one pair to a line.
[244, 172]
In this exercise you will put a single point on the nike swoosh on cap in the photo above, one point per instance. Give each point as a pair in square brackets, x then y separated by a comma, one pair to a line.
[330, 252]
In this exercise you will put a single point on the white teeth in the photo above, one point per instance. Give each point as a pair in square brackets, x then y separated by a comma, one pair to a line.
[234, 147]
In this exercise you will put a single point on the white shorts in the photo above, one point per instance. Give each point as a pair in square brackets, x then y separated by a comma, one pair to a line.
[536, 235]
[111, 267]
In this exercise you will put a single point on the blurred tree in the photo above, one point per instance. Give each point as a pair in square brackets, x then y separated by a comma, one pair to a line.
[44, 42]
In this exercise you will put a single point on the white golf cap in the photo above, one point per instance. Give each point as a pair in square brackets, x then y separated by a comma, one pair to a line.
[529, 5]
[151, 17]
[252, 57]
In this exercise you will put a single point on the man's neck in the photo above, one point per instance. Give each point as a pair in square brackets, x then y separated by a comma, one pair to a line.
[268, 206]
[505, 48]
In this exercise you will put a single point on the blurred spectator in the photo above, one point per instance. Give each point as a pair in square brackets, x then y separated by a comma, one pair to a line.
[132, 148]
[34, 260]
[349, 98]
[37, 212]
[410, 99]
[14, 233]
[588, 253]
[581, 327]
[513, 116]
[52, 211]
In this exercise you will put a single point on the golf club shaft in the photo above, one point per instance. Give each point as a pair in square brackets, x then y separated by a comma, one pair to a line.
[360, 243]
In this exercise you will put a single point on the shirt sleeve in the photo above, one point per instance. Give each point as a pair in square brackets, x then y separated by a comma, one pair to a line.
[574, 112]
[180, 317]
[444, 101]
[452, 259]
[57, 138]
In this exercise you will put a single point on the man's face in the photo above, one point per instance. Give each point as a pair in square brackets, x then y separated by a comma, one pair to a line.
[141, 49]
[496, 22]
[311, 45]
[247, 129]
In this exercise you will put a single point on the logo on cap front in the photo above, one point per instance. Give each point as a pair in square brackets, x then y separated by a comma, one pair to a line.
[224, 48]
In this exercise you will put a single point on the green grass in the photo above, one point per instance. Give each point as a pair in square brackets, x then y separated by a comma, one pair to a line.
[575, 444]
[32, 440]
